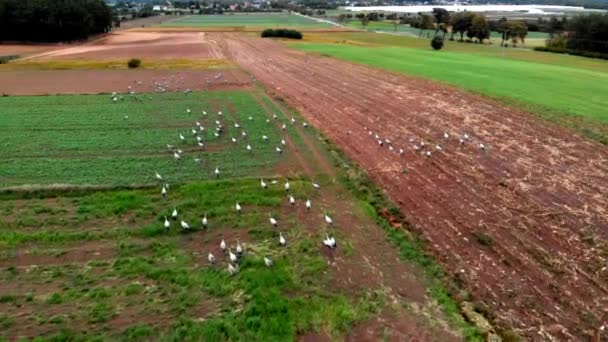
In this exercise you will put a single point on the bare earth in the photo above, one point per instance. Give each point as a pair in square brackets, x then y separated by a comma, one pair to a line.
[522, 223]
[128, 44]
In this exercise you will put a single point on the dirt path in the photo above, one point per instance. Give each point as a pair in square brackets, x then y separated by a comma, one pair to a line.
[523, 223]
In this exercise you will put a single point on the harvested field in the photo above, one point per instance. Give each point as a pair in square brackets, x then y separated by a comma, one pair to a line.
[523, 223]
[128, 44]
[44, 82]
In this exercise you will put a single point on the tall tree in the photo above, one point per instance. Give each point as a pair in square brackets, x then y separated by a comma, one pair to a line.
[442, 16]
[479, 28]
[518, 30]
[425, 22]
[461, 22]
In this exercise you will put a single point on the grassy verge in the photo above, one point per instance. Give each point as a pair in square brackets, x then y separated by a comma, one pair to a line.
[179, 64]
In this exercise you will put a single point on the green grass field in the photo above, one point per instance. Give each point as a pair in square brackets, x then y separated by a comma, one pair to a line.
[561, 89]
[246, 20]
[89, 139]
[81, 264]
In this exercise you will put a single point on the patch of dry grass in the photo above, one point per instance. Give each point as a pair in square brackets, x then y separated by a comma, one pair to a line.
[163, 64]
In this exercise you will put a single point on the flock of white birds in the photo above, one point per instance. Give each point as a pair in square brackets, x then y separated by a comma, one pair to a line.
[420, 146]
[234, 257]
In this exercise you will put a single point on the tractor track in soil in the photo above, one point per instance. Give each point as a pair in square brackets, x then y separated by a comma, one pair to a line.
[523, 223]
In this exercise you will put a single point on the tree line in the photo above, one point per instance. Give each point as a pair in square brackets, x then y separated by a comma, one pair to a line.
[585, 35]
[53, 20]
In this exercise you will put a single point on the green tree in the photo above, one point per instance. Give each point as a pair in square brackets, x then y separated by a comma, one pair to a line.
[479, 28]
[364, 21]
[442, 18]
[425, 22]
[461, 22]
[518, 31]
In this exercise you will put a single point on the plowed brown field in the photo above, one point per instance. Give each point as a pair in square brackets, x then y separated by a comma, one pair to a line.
[522, 223]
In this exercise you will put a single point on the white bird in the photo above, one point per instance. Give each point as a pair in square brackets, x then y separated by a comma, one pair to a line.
[239, 248]
[236, 125]
[428, 154]
[211, 258]
[287, 186]
[283, 127]
[273, 221]
[179, 151]
[223, 245]
[158, 176]
[216, 134]
[401, 151]
[237, 207]
[438, 148]
[263, 184]
[461, 141]
[198, 124]
[188, 111]
[274, 116]
[316, 186]
[163, 192]
[330, 242]
[217, 122]
[204, 221]
[268, 261]
[308, 204]
[264, 137]
[217, 172]
[446, 136]
[167, 223]
[219, 113]
[292, 200]
[466, 136]
[204, 113]
[176, 156]
[232, 270]
[283, 142]
[174, 214]
[250, 118]
[278, 149]
[282, 240]
[243, 134]
[201, 145]
[170, 147]
[328, 220]
[293, 120]
[233, 140]
[194, 132]
[181, 137]
[232, 256]
[304, 124]
[199, 139]
[185, 225]
[201, 128]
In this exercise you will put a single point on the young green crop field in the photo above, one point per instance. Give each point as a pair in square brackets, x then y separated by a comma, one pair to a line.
[83, 264]
[246, 20]
[568, 88]
[90, 139]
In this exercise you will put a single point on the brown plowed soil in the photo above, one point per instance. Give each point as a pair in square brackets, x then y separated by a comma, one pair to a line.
[127, 44]
[523, 223]
[39, 82]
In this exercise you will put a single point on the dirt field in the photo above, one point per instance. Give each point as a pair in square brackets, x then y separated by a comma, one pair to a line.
[522, 223]
[37, 82]
[127, 44]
